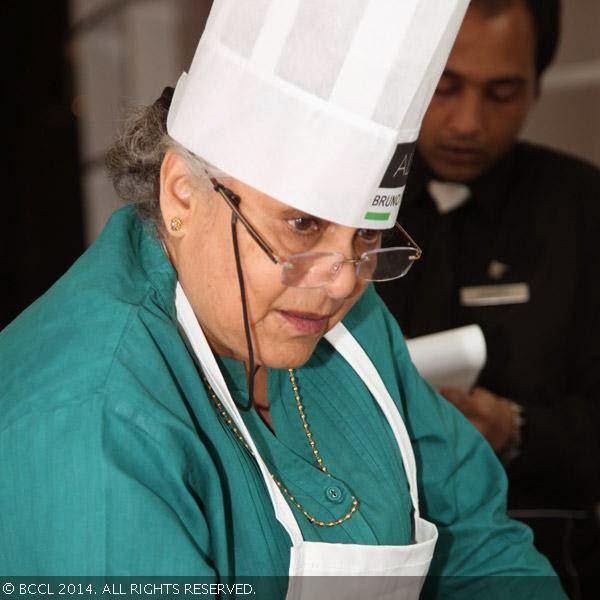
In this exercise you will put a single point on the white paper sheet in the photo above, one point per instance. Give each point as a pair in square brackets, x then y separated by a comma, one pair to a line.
[452, 358]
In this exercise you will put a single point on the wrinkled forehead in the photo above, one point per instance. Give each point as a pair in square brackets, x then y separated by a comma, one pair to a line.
[264, 211]
[252, 198]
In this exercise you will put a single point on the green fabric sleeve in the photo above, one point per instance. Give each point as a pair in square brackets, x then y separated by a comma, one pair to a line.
[91, 493]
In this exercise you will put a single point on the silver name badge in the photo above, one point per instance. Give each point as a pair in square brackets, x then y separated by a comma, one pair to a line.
[494, 295]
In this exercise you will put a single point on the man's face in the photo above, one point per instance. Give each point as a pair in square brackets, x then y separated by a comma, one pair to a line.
[484, 95]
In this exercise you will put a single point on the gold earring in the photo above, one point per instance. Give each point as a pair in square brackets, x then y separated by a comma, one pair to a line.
[176, 224]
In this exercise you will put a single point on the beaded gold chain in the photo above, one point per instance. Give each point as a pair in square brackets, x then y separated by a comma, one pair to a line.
[229, 421]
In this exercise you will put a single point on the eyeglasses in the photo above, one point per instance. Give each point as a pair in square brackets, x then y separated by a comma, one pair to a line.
[317, 269]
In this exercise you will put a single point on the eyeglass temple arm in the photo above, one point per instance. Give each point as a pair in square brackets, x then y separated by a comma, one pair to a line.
[410, 239]
[233, 201]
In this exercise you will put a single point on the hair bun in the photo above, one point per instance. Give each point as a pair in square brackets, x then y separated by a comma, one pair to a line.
[166, 97]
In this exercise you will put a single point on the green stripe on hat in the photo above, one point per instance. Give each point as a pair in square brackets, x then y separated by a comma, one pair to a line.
[377, 216]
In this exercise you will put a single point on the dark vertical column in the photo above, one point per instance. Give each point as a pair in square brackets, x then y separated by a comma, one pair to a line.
[193, 18]
[41, 230]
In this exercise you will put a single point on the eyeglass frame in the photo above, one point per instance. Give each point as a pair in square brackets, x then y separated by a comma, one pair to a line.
[233, 200]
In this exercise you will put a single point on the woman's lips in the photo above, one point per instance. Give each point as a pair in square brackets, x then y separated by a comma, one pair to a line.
[305, 322]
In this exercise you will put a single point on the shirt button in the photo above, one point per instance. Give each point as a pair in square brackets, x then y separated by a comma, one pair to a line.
[334, 494]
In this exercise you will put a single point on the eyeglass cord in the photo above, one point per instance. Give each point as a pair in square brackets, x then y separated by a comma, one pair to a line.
[242, 286]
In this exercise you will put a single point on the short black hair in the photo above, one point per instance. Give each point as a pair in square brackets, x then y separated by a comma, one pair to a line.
[546, 17]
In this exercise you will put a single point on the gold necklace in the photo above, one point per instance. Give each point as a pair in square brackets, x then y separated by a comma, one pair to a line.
[229, 422]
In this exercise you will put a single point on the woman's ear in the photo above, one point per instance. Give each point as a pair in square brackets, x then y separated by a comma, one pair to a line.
[177, 191]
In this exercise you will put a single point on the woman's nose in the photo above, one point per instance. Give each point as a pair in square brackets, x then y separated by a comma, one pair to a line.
[344, 281]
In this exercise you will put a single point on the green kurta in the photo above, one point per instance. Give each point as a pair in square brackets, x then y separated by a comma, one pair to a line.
[114, 460]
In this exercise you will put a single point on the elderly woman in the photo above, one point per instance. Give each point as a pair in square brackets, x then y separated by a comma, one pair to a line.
[214, 389]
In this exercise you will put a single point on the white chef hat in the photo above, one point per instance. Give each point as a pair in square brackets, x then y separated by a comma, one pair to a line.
[316, 103]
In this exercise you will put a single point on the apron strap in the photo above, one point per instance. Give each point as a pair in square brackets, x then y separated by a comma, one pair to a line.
[345, 343]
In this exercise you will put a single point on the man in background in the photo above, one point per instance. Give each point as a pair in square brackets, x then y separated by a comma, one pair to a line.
[511, 240]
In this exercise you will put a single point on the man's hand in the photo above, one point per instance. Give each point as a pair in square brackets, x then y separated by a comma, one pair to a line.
[491, 414]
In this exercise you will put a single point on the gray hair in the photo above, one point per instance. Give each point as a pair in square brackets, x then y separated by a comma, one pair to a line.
[135, 158]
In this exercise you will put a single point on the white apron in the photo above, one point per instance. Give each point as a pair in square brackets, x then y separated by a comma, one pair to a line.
[401, 569]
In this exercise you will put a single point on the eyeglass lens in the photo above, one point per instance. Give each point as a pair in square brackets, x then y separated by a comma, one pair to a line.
[386, 263]
[315, 269]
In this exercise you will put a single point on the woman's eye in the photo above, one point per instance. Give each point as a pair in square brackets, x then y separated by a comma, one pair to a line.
[370, 236]
[304, 225]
